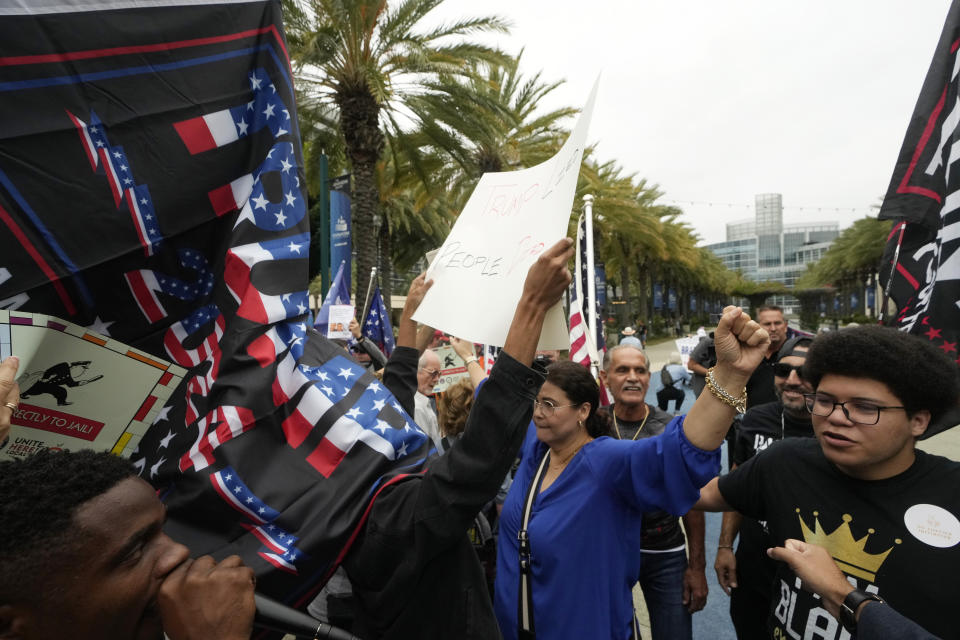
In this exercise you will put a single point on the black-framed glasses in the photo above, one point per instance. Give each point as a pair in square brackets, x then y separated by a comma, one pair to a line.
[782, 370]
[858, 411]
[548, 408]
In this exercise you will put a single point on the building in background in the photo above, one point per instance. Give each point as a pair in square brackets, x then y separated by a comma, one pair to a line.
[767, 249]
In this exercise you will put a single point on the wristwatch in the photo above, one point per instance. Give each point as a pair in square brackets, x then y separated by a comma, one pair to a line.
[848, 610]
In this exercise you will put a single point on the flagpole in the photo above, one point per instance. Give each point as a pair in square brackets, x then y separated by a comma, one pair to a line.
[366, 301]
[893, 271]
[591, 286]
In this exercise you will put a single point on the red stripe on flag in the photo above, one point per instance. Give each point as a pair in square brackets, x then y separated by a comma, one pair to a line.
[296, 428]
[259, 535]
[195, 135]
[84, 140]
[145, 408]
[896, 228]
[146, 300]
[135, 215]
[112, 178]
[276, 562]
[263, 351]
[326, 457]
[222, 201]
[909, 278]
[924, 138]
[38, 259]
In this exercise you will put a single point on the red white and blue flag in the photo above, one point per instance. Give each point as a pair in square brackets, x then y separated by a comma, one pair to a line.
[583, 345]
[152, 186]
[377, 325]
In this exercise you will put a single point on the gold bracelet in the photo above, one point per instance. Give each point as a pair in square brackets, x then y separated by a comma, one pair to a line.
[724, 396]
[471, 359]
[724, 546]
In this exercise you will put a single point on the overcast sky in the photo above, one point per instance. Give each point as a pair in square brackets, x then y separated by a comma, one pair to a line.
[719, 100]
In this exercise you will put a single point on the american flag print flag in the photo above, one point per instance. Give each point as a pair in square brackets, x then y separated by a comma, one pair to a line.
[583, 346]
[152, 184]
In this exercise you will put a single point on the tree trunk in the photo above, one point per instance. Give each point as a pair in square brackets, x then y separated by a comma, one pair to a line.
[625, 295]
[386, 264]
[360, 125]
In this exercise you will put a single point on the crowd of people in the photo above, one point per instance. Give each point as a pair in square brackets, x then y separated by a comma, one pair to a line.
[540, 509]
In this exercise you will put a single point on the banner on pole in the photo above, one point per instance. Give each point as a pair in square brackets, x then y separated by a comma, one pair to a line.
[341, 226]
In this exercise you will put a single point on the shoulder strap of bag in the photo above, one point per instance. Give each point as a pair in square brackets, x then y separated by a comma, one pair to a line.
[525, 629]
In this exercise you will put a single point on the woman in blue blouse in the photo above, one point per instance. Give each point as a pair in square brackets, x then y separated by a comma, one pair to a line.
[585, 522]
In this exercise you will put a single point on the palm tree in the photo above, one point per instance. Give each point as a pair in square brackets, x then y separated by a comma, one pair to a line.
[368, 60]
[491, 120]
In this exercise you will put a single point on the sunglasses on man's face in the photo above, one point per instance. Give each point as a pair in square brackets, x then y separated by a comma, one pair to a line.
[782, 370]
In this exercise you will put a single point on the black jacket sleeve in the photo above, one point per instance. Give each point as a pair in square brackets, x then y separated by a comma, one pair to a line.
[413, 551]
[879, 621]
[400, 376]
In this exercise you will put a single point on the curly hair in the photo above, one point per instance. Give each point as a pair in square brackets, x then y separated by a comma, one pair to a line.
[453, 407]
[578, 384]
[920, 375]
[39, 496]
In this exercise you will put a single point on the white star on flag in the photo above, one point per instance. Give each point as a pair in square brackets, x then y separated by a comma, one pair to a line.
[165, 441]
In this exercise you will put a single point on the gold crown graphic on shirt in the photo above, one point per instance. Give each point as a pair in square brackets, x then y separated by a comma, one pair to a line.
[848, 552]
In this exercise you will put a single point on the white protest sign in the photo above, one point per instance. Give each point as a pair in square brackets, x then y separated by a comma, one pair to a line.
[686, 346]
[509, 220]
[339, 325]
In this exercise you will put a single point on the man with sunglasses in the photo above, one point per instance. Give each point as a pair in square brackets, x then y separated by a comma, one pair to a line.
[746, 577]
[428, 372]
[888, 513]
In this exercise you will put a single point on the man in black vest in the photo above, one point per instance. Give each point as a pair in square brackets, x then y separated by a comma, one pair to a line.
[746, 576]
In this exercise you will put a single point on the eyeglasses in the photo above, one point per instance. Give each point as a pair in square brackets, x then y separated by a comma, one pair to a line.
[855, 410]
[782, 370]
[548, 408]
[433, 373]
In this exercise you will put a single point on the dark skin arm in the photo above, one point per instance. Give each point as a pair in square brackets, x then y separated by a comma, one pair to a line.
[694, 578]
[206, 600]
[726, 562]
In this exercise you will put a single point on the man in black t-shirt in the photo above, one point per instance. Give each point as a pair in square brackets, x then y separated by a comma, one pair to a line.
[673, 587]
[747, 576]
[887, 513]
[760, 388]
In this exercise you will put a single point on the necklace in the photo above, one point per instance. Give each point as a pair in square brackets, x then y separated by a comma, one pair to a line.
[616, 426]
[562, 462]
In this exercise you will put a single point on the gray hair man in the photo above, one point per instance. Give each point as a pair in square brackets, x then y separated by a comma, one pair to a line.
[673, 586]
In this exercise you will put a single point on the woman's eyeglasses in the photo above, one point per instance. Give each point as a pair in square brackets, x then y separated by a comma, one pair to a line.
[548, 407]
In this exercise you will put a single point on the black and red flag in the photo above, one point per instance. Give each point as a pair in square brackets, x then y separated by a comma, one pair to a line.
[152, 189]
[920, 270]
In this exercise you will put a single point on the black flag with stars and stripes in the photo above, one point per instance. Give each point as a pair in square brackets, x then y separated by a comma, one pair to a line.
[152, 189]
